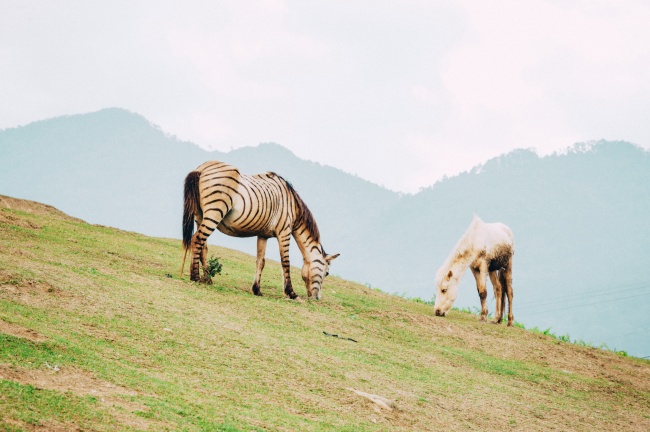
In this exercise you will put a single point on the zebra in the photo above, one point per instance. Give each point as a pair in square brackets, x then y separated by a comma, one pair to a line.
[265, 205]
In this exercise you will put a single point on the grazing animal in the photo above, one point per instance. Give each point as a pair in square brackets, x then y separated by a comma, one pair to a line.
[487, 249]
[217, 196]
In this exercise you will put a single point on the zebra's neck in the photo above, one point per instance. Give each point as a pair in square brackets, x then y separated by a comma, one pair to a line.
[309, 247]
[305, 231]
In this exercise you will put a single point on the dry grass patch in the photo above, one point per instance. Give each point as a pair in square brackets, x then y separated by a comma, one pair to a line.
[21, 332]
[70, 379]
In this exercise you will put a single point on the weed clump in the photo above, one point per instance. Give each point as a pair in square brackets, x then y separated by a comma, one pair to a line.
[214, 266]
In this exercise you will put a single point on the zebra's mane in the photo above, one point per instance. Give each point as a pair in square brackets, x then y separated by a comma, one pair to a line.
[304, 213]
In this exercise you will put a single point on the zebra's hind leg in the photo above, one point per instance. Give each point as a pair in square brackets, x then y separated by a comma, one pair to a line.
[198, 254]
[206, 226]
[204, 263]
[261, 251]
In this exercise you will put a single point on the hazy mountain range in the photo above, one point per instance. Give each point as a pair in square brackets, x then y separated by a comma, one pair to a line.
[580, 218]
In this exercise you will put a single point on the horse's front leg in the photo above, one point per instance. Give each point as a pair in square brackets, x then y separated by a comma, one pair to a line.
[499, 296]
[480, 274]
[259, 265]
[283, 241]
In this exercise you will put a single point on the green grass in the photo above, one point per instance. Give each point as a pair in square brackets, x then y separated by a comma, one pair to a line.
[188, 356]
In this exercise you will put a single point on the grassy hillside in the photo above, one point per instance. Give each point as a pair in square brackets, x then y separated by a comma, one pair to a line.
[94, 335]
[579, 217]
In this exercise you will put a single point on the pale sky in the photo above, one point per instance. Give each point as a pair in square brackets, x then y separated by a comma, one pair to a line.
[399, 92]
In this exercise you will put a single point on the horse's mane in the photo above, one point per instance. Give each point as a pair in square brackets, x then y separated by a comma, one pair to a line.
[462, 249]
[304, 214]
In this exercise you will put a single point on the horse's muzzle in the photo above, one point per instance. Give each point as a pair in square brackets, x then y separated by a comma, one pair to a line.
[439, 313]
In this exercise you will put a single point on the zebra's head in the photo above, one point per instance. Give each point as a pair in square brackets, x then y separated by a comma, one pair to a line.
[314, 272]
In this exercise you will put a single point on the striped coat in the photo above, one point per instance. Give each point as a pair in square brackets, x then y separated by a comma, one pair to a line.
[217, 196]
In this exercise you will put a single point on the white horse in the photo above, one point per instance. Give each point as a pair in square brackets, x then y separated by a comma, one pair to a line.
[486, 248]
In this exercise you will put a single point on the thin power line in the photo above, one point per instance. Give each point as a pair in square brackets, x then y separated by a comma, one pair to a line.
[586, 304]
[591, 293]
[555, 300]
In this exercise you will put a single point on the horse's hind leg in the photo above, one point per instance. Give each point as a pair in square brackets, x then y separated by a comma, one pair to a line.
[504, 293]
[499, 296]
[506, 281]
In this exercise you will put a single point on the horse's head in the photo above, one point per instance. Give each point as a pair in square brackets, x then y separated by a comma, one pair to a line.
[447, 290]
[314, 271]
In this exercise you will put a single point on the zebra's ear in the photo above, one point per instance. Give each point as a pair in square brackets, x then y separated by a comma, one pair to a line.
[330, 258]
[450, 274]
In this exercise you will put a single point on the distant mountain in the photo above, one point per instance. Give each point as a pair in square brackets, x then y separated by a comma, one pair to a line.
[579, 218]
[114, 167]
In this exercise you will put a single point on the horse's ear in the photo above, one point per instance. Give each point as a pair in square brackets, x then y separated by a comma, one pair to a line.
[450, 274]
[330, 258]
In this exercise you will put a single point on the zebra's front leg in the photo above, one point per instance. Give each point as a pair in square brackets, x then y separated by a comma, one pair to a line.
[261, 251]
[283, 242]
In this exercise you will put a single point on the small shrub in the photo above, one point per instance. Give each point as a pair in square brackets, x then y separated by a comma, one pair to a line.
[214, 266]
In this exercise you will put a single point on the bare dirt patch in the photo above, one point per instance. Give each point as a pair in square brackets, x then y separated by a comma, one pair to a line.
[29, 291]
[66, 379]
[18, 284]
[48, 426]
[21, 332]
[80, 383]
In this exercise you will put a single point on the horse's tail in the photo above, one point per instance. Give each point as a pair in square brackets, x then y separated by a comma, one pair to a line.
[192, 206]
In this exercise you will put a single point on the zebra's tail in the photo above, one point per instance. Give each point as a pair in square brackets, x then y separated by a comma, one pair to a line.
[191, 206]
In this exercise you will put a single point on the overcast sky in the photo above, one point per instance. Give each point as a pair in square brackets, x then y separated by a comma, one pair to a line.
[397, 92]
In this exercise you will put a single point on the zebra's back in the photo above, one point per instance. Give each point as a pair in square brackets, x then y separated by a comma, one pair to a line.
[248, 205]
